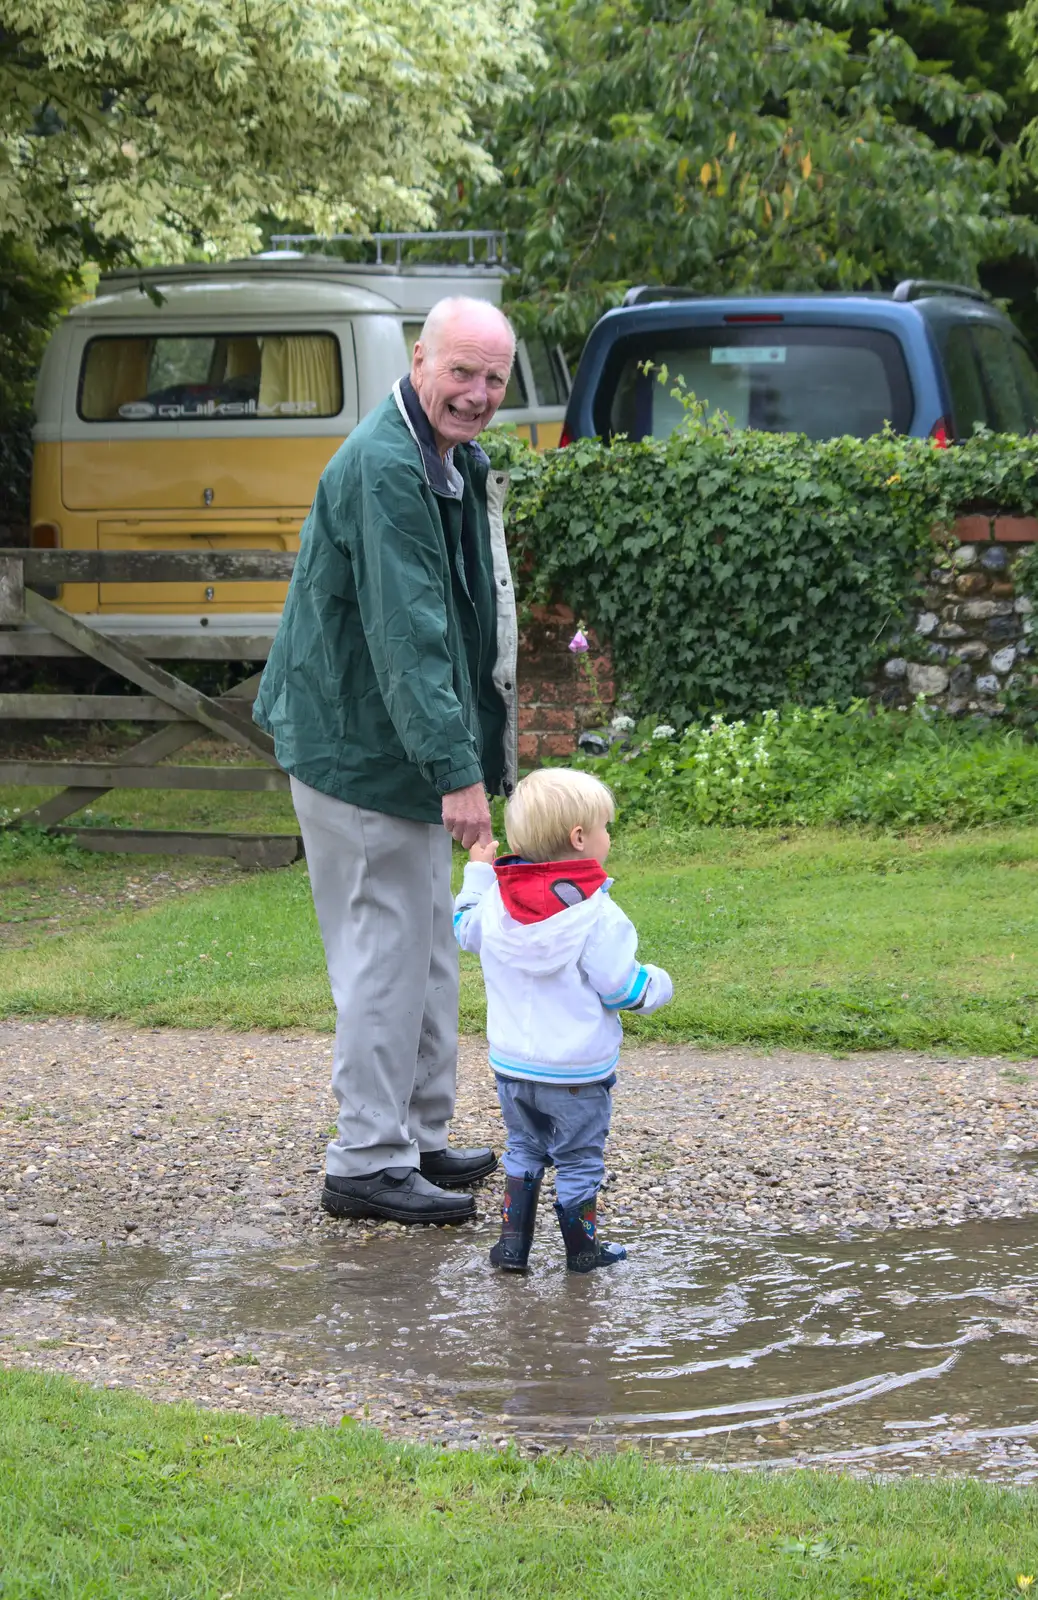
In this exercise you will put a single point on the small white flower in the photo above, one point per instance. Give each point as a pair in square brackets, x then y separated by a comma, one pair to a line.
[621, 724]
[663, 731]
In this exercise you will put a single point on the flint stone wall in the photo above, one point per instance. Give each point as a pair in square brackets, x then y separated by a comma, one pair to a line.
[970, 642]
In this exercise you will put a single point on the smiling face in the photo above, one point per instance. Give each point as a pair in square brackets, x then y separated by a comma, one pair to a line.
[460, 371]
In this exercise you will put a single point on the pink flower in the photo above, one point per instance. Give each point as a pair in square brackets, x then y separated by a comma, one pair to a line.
[578, 644]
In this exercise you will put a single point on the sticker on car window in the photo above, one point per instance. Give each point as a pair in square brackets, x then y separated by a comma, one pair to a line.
[747, 355]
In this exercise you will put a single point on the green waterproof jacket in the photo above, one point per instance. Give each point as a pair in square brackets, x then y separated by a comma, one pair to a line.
[391, 680]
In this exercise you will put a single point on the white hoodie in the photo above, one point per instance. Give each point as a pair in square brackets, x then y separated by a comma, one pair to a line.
[555, 985]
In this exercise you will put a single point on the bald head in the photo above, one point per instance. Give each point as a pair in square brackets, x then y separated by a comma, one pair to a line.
[461, 367]
[465, 312]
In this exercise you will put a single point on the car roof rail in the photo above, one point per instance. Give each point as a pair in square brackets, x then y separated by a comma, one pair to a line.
[917, 288]
[493, 241]
[645, 293]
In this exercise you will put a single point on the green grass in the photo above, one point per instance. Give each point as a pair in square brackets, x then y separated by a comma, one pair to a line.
[828, 939]
[107, 1495]
[58, 886]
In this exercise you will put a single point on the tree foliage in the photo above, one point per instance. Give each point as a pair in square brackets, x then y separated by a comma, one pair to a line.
[31, 298]
[174, 123]
[1023, 25]
[972, 43]
[720, 145]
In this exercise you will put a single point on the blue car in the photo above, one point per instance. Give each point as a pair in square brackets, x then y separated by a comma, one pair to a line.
[932, 359]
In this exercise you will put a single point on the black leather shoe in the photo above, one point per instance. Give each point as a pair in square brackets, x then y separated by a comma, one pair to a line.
[398, 1194]
[453, 1169]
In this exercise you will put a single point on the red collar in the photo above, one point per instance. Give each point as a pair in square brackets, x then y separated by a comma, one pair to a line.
[532, 891]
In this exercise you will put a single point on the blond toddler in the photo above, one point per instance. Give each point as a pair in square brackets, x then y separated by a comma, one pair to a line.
[560, 963]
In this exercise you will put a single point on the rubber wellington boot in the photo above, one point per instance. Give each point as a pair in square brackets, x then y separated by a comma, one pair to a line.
[579, 1228]
[518, 1220]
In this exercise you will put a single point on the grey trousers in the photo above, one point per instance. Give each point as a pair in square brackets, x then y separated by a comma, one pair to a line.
[382, 892]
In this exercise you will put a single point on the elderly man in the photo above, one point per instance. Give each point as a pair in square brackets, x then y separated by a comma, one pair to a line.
[390, 694]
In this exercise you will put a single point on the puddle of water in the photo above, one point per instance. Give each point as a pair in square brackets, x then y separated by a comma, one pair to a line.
[903, 1351]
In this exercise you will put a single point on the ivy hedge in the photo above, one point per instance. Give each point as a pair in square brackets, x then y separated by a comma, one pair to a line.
[735, 571]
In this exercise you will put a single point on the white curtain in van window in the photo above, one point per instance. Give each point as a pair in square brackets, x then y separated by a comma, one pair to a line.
[299, 376]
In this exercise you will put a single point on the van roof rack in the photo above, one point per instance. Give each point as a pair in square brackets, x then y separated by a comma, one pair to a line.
[644, 294]
[918, 288]
[494, 242]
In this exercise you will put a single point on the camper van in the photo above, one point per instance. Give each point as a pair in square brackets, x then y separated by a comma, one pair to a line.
[194, 407]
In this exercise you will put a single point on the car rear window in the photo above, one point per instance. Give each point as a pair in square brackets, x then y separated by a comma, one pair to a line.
[210, 377]
[992, 378]
[962, 369]
[779, 378]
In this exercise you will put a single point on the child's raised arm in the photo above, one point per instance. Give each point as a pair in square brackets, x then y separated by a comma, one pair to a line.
[479, 877]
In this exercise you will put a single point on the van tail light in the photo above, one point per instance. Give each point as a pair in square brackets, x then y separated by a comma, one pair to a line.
[565, 437]
[941, 433]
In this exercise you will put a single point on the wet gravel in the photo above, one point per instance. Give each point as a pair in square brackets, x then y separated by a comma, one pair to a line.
[119, 1138]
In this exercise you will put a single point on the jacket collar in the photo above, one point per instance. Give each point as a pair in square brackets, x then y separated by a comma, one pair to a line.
[442, 476]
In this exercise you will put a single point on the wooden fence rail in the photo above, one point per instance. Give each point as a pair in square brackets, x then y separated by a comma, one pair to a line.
[31, 624]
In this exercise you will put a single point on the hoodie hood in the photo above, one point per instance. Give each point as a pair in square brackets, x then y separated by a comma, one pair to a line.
[543, 913]
[535, 890]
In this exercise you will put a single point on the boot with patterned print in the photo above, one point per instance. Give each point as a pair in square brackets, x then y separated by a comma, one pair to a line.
[579, 1228]
[518, 1219]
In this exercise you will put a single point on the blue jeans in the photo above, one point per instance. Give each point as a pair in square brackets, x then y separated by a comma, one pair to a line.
[550, 1125]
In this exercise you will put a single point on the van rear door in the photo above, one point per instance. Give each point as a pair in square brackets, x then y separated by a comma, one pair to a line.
[211, 439]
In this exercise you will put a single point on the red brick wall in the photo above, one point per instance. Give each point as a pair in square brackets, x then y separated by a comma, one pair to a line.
[556, 701]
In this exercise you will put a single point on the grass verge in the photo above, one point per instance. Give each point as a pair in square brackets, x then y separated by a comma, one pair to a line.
[827, 939]
[104, 1494]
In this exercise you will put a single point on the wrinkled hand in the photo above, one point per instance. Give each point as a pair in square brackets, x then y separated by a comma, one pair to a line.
[487, 853]
[466, 816]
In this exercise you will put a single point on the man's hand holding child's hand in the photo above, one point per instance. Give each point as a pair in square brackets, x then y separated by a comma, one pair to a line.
[484, 852]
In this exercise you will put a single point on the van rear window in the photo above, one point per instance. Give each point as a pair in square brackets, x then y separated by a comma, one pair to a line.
[210, 377]
[779, 378]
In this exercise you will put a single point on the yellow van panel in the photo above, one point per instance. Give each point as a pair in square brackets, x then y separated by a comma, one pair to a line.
[94, 491]
[162, 533]
[173, 474]
[46, 481]
[77, 532]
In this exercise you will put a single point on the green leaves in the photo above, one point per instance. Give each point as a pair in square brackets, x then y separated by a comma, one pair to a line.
[734, 147]
[173, 125]
[865, 766]
[734, 572]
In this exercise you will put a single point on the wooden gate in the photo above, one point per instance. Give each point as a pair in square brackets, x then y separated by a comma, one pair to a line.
[32, 626]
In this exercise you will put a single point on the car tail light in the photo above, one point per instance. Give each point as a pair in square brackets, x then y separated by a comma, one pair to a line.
[941, 433]
[565, 437]
[756, 316]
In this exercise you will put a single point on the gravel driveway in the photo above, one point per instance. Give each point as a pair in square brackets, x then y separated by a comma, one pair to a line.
[164, 1138]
